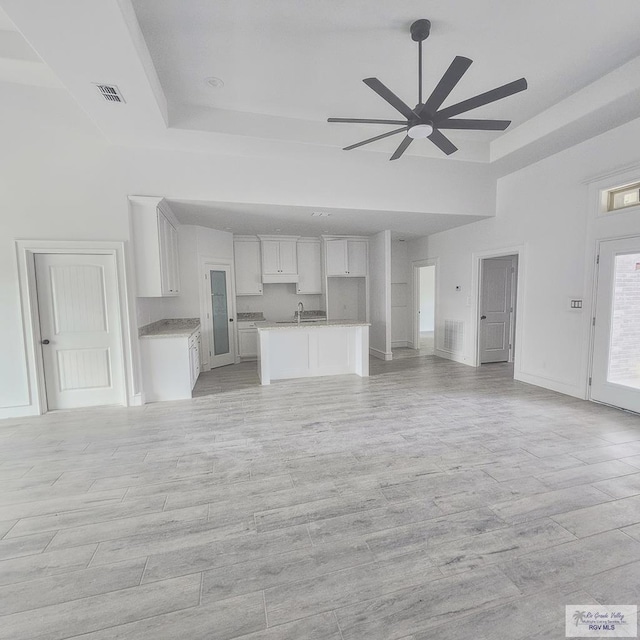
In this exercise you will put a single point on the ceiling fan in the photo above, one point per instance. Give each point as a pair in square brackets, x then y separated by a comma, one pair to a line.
[427, 119]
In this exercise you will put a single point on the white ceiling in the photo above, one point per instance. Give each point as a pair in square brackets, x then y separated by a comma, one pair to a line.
[19, 63]
[306, 61]
[289, 64]
[251, 219]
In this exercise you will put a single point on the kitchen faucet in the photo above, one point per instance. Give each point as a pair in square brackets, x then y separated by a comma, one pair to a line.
[300, 311]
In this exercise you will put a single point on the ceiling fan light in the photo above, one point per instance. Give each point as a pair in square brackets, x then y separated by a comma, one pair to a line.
[420, 131]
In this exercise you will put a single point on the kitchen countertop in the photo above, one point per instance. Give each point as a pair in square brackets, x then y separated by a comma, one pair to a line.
[170, 328]
[318, 324]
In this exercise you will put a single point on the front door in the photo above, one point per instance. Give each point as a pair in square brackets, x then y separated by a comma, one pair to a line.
[615, 377]
[496, 308]
[221, 335]
[80, 329]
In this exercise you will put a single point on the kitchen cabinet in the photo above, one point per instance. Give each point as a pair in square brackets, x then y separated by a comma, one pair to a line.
[346, 257]
[247, 340]
[170, 365]
[248, 268]
[155, 248]
[309, 266]
[279, 258]
[195, 348]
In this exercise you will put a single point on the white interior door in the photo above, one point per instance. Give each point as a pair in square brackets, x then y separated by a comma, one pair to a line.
[221, 334]
[80, 329]
[496, 309]
[615, 377]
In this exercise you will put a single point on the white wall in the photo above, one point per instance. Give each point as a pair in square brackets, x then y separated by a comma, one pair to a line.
[278, 302]
[380, 294]
[347, 299]
[400, 294]
[427, 298]
[545, 210]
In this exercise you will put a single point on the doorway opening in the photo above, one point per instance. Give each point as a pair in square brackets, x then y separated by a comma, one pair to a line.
[425, 295]
[497, 309]
[427, 309]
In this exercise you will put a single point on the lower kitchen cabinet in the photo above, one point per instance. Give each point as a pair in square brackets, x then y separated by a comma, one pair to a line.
[170, 366]
[247, 340]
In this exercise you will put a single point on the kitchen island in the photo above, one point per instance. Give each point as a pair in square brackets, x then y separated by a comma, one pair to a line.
[306, 349]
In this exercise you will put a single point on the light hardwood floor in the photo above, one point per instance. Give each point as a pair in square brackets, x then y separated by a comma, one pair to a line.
[432, 500]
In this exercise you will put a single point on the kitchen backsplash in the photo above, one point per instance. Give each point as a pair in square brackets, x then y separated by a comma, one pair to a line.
[279, 302]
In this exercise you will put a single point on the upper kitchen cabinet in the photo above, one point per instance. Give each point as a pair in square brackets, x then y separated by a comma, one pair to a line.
[309, 266]
[154, 231]
[346, 257]
[279, 258]
[247, 266]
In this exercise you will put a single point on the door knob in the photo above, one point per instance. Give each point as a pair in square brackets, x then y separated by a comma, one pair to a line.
[483, 317]
[230, 319]
[45, 342]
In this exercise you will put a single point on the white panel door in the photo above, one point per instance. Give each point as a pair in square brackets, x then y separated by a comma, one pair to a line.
[80, 329]
[495, 310]
[615, 377]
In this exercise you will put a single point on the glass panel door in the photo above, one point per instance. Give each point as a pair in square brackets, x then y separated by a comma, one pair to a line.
[616, 347]
[220, 312]
[221, 337]
[624, 351]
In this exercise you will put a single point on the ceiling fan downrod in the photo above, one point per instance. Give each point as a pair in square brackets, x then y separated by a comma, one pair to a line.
[420, 31]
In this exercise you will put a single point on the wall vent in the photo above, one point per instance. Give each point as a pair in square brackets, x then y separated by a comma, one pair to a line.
[453, 336]
[110, 92]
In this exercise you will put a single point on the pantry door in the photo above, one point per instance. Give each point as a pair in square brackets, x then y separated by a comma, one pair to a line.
[615, 377]
[221, 336]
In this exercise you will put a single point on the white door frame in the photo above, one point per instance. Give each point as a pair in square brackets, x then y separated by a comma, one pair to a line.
[415, 283]
[207, 263]
[26, 250]
[594, 301]
[478, 257]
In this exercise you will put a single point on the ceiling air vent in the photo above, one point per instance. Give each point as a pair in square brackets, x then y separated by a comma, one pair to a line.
[110, 92]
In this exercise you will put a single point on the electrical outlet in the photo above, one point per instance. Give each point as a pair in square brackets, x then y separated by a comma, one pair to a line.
[575, 304]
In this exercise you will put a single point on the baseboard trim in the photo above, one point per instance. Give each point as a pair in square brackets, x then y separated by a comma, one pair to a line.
[381, 355]
[136, 400]
[23, 411]
[549, 383]
[448, 355]
[399, 343]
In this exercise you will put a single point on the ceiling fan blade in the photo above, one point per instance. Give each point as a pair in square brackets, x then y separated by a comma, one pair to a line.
[390, 97]
[478, 125]
[484, 98]
[384, 135]
[401, 148]
[366, 121]
[442, 142]
[446, 85]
